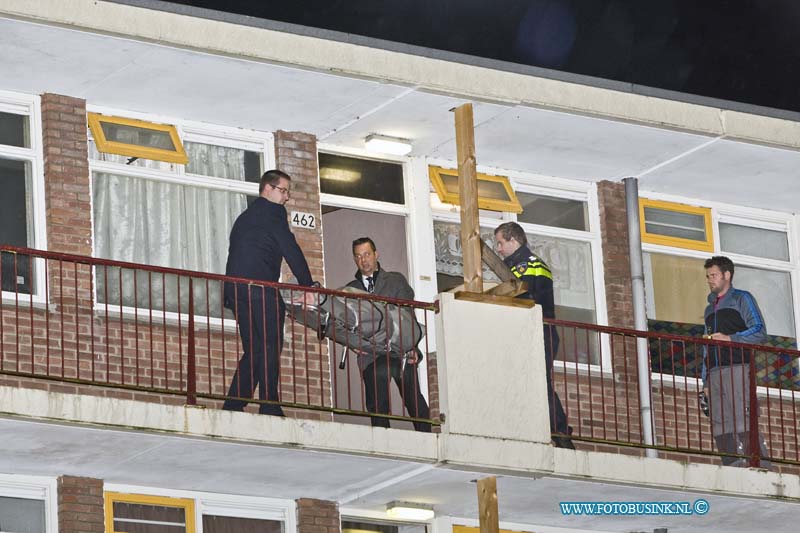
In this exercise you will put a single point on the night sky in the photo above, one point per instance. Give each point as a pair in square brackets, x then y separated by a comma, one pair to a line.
[741, 50]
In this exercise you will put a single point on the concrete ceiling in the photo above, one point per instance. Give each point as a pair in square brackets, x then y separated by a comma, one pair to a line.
[340, 110]
[356, 482]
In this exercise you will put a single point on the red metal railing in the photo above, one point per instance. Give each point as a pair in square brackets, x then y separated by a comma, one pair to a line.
[599, 386]
[93, 322]
[164, 331]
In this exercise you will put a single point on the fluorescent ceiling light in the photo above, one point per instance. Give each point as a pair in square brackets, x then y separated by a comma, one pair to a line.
[339, 174]
[388, 145]
[409, 511]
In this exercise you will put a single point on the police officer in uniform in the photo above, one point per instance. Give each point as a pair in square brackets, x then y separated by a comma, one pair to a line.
[512, 245]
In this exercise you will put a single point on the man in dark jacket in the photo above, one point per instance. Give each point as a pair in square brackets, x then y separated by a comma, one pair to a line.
[259, 241]
[375, 369]
[512, 245]
[732, 315]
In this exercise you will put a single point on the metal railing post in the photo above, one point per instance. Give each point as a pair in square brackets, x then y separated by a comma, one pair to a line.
[755, 445]
[191, 371]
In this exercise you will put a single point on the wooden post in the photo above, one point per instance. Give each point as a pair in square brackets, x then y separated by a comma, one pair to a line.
[487, 505]
[468, 195]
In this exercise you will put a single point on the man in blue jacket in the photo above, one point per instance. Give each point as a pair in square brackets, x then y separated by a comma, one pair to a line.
[732, 315]
[259, 241]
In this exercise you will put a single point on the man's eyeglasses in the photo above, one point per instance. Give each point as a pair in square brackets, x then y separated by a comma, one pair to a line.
[284, 190]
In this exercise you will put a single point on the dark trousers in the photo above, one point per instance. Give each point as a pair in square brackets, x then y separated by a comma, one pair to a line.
[558, 418]
[260, 318]
[376, 390]
[739, 443]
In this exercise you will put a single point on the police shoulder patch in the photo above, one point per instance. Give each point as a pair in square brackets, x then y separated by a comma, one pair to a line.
[522, 267]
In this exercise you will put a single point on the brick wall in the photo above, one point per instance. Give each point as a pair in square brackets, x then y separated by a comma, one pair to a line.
[433, 388]
[305, 363]
[317, 516]
[80, 505]
[616, 257]
[66, 174]
[619, 302]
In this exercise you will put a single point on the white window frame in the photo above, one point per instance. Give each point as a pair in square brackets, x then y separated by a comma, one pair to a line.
[412, 217]
[445, 525]
[189, 131]
[354, 514]
[742, 216]
[34, 488]
[229, 505]
[363, 204]
[556, 188]
[30, 106]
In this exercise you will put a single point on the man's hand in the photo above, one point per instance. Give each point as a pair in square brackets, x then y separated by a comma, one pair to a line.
[412, 358]
[308, 298]
[720, 337]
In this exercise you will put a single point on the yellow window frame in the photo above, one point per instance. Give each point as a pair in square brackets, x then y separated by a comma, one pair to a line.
[677, 242]
[113, 147]
[511, 205]
[145, 499]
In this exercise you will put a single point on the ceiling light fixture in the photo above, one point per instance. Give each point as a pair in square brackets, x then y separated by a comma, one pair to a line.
[387, 145]
[409, 511]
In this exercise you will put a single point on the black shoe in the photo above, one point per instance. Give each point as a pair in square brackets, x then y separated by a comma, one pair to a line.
[563, 442]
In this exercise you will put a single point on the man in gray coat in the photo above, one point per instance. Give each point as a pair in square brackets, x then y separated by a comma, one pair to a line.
[375, 369]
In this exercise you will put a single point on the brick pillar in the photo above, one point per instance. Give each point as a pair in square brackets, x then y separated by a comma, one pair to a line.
[619, 297]
[66, 174]
[616, 258]
[68, 215]
[317, 516]
[80, 505]
[433, 389]
[305, 365]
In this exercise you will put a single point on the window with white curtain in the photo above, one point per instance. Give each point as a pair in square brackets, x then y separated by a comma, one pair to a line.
[171, 215]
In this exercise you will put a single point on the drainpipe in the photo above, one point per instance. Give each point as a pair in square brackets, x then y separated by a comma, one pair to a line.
[639, 311]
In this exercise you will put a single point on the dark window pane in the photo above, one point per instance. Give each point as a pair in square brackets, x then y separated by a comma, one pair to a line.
[141, 518]
[361, 178]
[227, 524]
[18, 514]
[675, 224]
[13, 203]
[137, 136]
[15, 211]
[252, 167]
[549, 211]
[14, 130]
[158, 513]
[362, 526]
[15, 272]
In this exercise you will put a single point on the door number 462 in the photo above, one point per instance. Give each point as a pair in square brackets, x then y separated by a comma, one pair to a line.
[303, 220]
